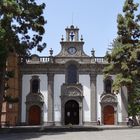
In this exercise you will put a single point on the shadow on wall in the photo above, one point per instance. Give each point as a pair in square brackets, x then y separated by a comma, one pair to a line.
[85, 105]
[45, 108]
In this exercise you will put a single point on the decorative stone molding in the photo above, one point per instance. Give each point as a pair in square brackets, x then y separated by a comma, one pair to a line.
[35, 57]
[109, 99]
[34, 99]
[72, 92]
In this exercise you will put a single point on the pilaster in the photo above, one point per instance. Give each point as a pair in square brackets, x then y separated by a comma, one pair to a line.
[93, 98]
[124, 98]
[50, 98]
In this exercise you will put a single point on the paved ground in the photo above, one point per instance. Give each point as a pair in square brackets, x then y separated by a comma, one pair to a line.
[119, 134]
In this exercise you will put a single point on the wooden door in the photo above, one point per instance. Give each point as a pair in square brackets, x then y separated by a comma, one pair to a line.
[34, 115]
[108, 114]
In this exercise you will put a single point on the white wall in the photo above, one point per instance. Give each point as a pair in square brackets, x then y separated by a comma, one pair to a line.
[100, 89]
[26, 89]
[85, 81]
[44, 91]
[59, 79]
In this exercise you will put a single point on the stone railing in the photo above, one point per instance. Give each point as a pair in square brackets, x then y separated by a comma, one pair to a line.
[98, 60]
[34, 59]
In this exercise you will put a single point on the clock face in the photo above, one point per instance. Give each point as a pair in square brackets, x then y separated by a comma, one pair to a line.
[72, 50]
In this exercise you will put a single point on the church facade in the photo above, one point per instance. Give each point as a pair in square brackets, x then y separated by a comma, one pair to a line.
[69, 88]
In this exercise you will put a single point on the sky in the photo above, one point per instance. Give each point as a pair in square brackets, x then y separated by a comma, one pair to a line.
[96, 20]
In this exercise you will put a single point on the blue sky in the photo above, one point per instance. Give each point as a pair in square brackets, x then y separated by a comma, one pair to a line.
[96, 20]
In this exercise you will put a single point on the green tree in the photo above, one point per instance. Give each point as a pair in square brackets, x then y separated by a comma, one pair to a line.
[21, 29]
[124, 56]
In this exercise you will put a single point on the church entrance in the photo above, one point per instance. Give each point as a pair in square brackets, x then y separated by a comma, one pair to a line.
[108, 115]
[34, 115]
[71, 112]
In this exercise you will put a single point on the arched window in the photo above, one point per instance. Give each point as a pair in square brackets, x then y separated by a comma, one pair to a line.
[72, 74]
[107, 85]
[35, 85]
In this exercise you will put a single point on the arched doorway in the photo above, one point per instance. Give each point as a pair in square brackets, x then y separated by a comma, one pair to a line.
[34, 115]
[71, 112]
[108, 115]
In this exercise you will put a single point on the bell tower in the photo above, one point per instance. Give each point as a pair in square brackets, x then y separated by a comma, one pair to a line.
[72, 34]
[72, 46]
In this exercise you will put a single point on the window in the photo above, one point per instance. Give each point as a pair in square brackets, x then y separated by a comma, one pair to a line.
[72, 74]
[107, 85]
[35, 84]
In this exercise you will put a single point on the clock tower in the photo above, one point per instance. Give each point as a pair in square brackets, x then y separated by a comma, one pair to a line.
[72, 46]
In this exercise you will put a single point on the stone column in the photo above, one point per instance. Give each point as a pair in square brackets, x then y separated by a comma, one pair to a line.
[81, 114]
[124, 100]
[93, 98]
[50, 98]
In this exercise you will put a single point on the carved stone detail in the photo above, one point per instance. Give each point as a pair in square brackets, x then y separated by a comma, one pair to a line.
[34, 98]
[109, 98]
[71, 90]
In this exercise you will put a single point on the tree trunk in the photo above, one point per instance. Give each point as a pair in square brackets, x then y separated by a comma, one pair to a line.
[2, 86]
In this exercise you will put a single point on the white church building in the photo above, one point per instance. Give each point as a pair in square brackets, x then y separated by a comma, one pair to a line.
[70, 88]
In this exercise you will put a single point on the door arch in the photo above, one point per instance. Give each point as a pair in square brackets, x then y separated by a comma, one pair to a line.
[34, 115]
[71, 112]
[108, 115]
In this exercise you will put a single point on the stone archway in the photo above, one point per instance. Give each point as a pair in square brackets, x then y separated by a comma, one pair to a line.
[108, 115]
[34, 117]
[71, 112]
[72, 94]
[34, 105]
[109, 109]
